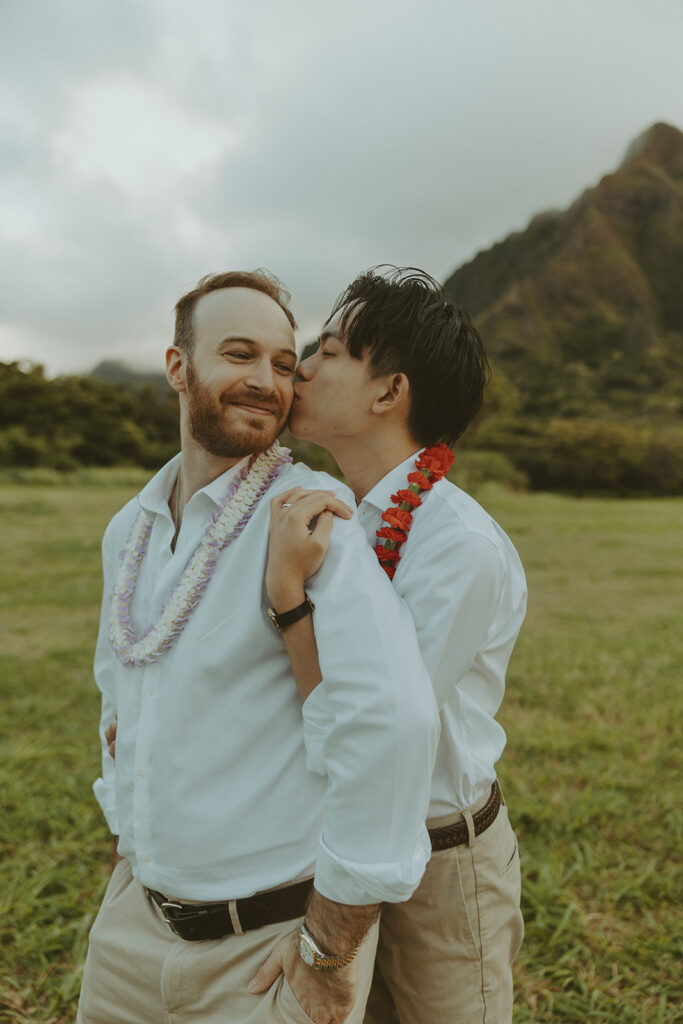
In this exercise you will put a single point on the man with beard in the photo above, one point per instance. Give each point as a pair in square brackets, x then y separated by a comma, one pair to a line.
[229, 847]
[397, 371]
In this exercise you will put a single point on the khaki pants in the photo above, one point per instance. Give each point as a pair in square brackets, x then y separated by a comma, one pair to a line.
[139, 972]
[445, 956]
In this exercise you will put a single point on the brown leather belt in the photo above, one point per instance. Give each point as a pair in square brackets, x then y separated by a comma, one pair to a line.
[193, 922]
[456, 834]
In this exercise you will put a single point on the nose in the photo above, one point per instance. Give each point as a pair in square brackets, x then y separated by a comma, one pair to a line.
[304, 369]
[261, 376]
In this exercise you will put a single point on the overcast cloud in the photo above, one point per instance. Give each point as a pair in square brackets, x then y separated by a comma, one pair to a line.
[146, 143]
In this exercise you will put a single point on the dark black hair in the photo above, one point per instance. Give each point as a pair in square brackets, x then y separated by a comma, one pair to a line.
[400, 317]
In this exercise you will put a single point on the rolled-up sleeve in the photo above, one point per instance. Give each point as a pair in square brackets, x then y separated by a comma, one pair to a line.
[371, 726]
[104, 787]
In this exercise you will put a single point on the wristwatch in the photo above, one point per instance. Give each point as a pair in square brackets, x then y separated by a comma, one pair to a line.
[285, 619]
[312, 955]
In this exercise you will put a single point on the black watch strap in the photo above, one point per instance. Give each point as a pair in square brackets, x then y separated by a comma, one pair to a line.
[285, 619]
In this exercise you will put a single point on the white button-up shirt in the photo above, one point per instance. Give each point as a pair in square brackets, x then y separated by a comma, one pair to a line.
[210, 793]
[463, 582]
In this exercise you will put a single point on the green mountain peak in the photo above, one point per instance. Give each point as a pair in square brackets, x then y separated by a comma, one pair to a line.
[583, 310]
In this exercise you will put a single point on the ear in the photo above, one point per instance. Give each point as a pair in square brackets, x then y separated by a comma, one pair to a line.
[175, 369]
[394, 396]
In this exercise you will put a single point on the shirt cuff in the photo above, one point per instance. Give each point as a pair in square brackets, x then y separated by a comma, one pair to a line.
[106, 798]
[355, 884]
[317, 712]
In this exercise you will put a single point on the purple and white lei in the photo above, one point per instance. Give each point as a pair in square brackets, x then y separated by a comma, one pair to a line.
[225, 525]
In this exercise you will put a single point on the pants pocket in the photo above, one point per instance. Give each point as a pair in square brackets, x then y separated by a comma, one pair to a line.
[514, 856]
[289, 1006]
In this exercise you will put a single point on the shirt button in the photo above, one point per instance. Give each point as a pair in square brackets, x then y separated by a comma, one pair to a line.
[141, 774]
[150, 691]
[144, 858]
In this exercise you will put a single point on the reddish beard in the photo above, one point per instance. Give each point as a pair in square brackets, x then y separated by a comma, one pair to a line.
[209, 420]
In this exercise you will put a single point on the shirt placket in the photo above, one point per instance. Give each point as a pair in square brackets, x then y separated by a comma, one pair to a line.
[149, 701]
[142, 806]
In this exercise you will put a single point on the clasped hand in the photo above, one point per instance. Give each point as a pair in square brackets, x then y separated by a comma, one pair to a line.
[300, 527]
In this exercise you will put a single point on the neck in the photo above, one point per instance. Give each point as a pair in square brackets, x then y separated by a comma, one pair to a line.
[365, 460]
[198, 467]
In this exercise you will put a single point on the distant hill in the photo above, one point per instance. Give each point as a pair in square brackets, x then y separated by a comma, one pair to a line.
[119, 373]
[583, 310]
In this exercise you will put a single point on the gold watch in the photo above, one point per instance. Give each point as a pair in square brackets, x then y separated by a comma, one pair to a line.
[312, 955]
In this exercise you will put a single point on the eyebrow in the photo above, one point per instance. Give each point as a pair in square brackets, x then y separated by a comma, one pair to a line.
[327, 333]
[255, 344]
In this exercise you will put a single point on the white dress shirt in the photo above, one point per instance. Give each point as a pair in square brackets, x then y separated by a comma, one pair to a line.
[209, 793]
[463, 582]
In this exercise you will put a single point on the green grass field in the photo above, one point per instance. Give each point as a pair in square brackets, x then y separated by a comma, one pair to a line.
[591, 771]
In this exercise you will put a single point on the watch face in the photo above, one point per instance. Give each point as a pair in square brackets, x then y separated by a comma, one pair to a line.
[306, 950]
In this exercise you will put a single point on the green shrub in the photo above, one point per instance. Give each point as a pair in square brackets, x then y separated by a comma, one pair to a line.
[472, 468]
[589, 455]
[18, 448]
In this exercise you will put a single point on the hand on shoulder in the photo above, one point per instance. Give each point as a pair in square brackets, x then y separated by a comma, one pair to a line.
[301, 524]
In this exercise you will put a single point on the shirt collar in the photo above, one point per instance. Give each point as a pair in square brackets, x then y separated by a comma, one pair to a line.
[380, 495]
[154, 495]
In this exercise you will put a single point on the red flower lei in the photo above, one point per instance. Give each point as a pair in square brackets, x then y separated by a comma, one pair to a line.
[431, 465]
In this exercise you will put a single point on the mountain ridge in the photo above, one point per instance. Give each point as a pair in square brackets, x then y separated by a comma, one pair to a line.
[593, 289]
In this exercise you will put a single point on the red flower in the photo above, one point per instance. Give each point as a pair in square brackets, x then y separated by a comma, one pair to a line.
[398, 518]
[406, 497]
[421, 480]
[388, 560]
[436, 460]
[432, 465]
[387, 554]
[398, 536]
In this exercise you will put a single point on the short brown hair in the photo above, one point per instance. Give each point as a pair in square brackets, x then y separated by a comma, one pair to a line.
[260, 280]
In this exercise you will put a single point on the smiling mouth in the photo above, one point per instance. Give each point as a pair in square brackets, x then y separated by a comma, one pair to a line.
[256, 410]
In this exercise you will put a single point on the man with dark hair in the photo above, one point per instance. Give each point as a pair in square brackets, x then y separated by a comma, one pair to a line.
[402, 322]
[227, 843]
[397, 369]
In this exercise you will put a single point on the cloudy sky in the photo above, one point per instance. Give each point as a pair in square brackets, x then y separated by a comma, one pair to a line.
[147, 142]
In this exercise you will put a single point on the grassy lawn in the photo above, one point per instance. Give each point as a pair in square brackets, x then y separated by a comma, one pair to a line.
[590, 773]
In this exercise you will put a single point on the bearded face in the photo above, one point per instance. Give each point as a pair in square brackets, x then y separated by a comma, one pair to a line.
[235, 422]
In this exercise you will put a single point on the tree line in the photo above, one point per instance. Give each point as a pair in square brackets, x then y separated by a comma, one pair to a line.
[73, 421]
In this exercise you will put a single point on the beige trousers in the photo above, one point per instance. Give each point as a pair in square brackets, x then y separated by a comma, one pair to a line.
[445, 956]
[138, 972]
